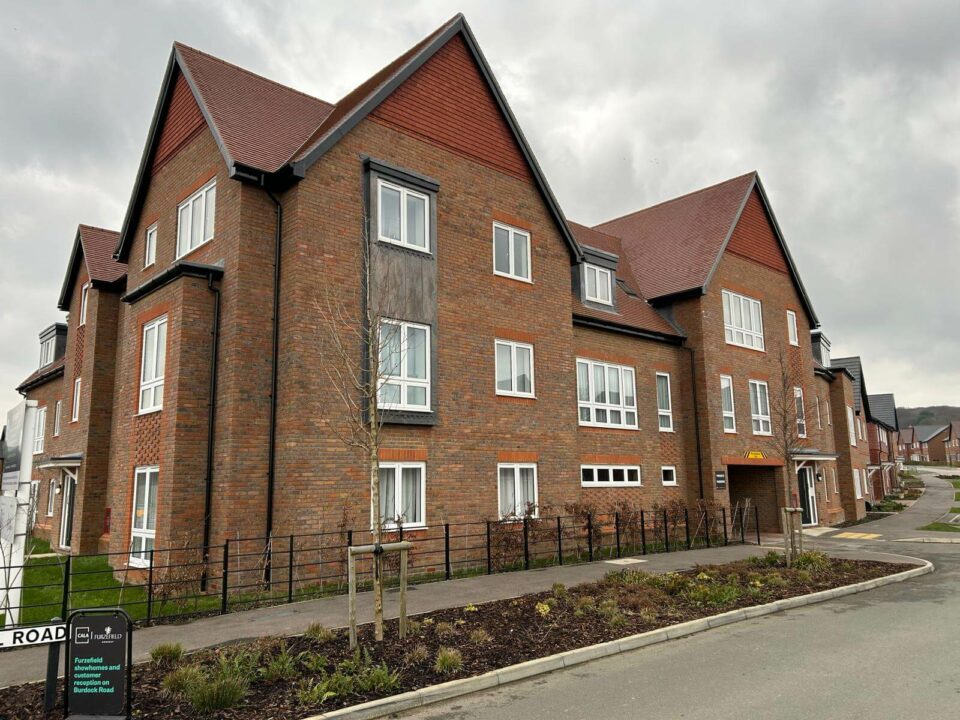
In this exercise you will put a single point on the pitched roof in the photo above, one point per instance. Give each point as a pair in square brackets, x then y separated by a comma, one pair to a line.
[853, 366]
[883, 408]
[632, 311]
[95, 246]
[907, 436]
[44, 374]
[676, 245]
[925, 433]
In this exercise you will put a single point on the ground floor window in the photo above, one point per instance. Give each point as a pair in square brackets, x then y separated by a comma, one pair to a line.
[143, 527]
[517, 488]
[402, 494]
[609, 475]
[668, 475]
[858, 489]
[51, 494]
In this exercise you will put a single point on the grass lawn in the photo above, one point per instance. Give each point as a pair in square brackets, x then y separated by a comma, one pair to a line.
[956, 496]
[955, 509]
[955, 483]
[941, 527]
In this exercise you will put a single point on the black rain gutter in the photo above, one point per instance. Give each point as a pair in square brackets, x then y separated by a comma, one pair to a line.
[696, 416]
[272, 440]
[211, 422]
[178, 269]
[614, 327]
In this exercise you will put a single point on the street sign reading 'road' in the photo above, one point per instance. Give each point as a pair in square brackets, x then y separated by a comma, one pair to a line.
[39, 635]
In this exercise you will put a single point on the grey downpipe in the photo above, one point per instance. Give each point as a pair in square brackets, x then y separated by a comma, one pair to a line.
[211, 425]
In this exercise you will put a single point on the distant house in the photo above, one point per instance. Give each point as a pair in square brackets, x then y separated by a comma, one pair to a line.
[952, 443]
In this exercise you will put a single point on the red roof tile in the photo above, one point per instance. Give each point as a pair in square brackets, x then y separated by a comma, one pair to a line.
[673, 246]
[631, 311]
[47, 372]
[98, 245]
[260, 122]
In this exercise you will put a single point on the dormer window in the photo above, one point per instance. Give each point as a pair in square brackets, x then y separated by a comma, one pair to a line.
[46, 351]
[598, 284]
[404, 217]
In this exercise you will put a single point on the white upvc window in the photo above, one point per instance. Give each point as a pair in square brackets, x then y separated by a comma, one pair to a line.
[75, 407]
[742, 320]
[792, 333]
[143, 526]
[511, 252]
[606, 394]
[84, 297]
[51, 494]
[599, 284]
[517, 490]
[857, 487]
[152, 364]
[819, 420]
[801, 412]
[514, 368]
[404, 217]
[829, 413]
[664, 403]
[402, 494]
[668, 475]
[404, 378]
[836, 485]
[150, 246]
[47, 348]
[851, 428]
[760, 408]
[609, 475]
[859, 428]
[195, 219]
[865, 477]
[726, 404]
[39, 430]
[57, 410]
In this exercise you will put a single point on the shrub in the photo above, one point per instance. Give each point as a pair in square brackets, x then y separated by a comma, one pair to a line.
[647, 615]
[241, 664]
[775, 580]
[771, 559]
[218, 692]
[479, 636]
[448, 661]
[559, 591]
[583, 604]
[319, 633]
[282, 666]
[812, 560]
[313, 662]
[177, 681]
[339, 683]
[417, 654]
[714, 594]
[166, 654]
[470, 608]
[610, 611]
[377, 678]
[444, 629]
[542, 609]
[804, 576]
[314, 692]
[414, 627]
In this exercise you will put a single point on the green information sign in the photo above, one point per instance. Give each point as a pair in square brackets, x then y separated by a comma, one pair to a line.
[98, 664]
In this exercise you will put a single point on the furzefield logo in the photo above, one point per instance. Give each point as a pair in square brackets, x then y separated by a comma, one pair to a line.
[82, 635]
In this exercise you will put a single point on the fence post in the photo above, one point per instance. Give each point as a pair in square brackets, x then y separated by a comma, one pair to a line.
[489, 562]
[526, 542]
[290, 571]
[686, 526]
[446, 550]
[643, 532]
[224, 577]
[666, 531]
[150, 589]
[559, 540]
[65, 600]
[726, 540]
[590, 536]
[706, 522]
[756, 519]
[743, 526]
[616, 530]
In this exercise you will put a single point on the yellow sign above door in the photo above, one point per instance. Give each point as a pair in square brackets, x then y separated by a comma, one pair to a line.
[755, 455]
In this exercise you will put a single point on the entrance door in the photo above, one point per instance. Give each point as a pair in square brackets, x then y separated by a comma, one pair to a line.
[69, 485]
[808, 495]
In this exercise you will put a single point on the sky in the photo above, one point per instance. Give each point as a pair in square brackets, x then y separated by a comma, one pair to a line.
[850, 111]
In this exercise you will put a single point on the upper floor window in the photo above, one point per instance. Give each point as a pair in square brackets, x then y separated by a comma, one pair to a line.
[859, 428]
[84, 296]
[51, 494]
[726, 404]
[75, 408]
[402, 494]
[47, 348]
[404, 217]
[514, 368]
[664, 403]
[609, 475]
[801, 412]
[819, 421]
[792, 333]
[851, 428]
[825, 356]
[742, 320]
[517, 490]
[760, 408]
[56, 418]
[404, 362]
[152, 365]
[599, 284]
[39, 430]
[195, 217]
[150, 246]
[511, 252]
[606, 394]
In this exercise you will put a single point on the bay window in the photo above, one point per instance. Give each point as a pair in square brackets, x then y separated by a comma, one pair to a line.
[152, 363]
[143, 527]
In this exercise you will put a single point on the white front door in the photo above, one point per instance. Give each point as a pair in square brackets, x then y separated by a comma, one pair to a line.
[808, 495]
[68, 484]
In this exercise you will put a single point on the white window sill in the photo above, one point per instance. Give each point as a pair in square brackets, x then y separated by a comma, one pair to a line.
[667, 430]
[763, 434]
[608, 427]
[673, 484]
[403, 408]
[605, 303]
[507, 276]
[528, 396]
[394, 528]
[194, 249]
[398, 243]
[747, 347]
[729, 432]
[138, 563]
[150, 411]
[610, 485]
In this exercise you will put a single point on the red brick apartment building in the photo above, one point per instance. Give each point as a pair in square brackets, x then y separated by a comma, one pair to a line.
[533, 362]
[951, 445]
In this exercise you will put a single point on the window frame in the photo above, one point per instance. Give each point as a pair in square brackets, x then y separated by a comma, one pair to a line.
[57, 415]
[402, 380]
[150, 246]
[859, 428]
[793, 332]
[51, 496]
[144, 534]
[801, 412]
[851, 430]
[668, 411]
[858, 488]
[673, 469]
[594, 406]
[398, 468]
[84, 301]
[759, 417]
[516, 467]
[836, 483]
[157, 381]
[730, 330]
[513, 345]
[404, 191]
[587, 267]
[512, 232]
[595, 469]
[40, 430]
[188, 203]
[732, 412]
[48, 350]
[819, 417]
[75, 401]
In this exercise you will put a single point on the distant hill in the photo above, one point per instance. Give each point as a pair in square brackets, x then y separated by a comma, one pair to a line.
[933, 415]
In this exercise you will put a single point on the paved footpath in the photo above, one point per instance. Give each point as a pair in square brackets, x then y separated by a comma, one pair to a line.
[29, 664]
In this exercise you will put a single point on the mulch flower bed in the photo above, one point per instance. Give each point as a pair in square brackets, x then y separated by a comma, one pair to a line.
[301, 676]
